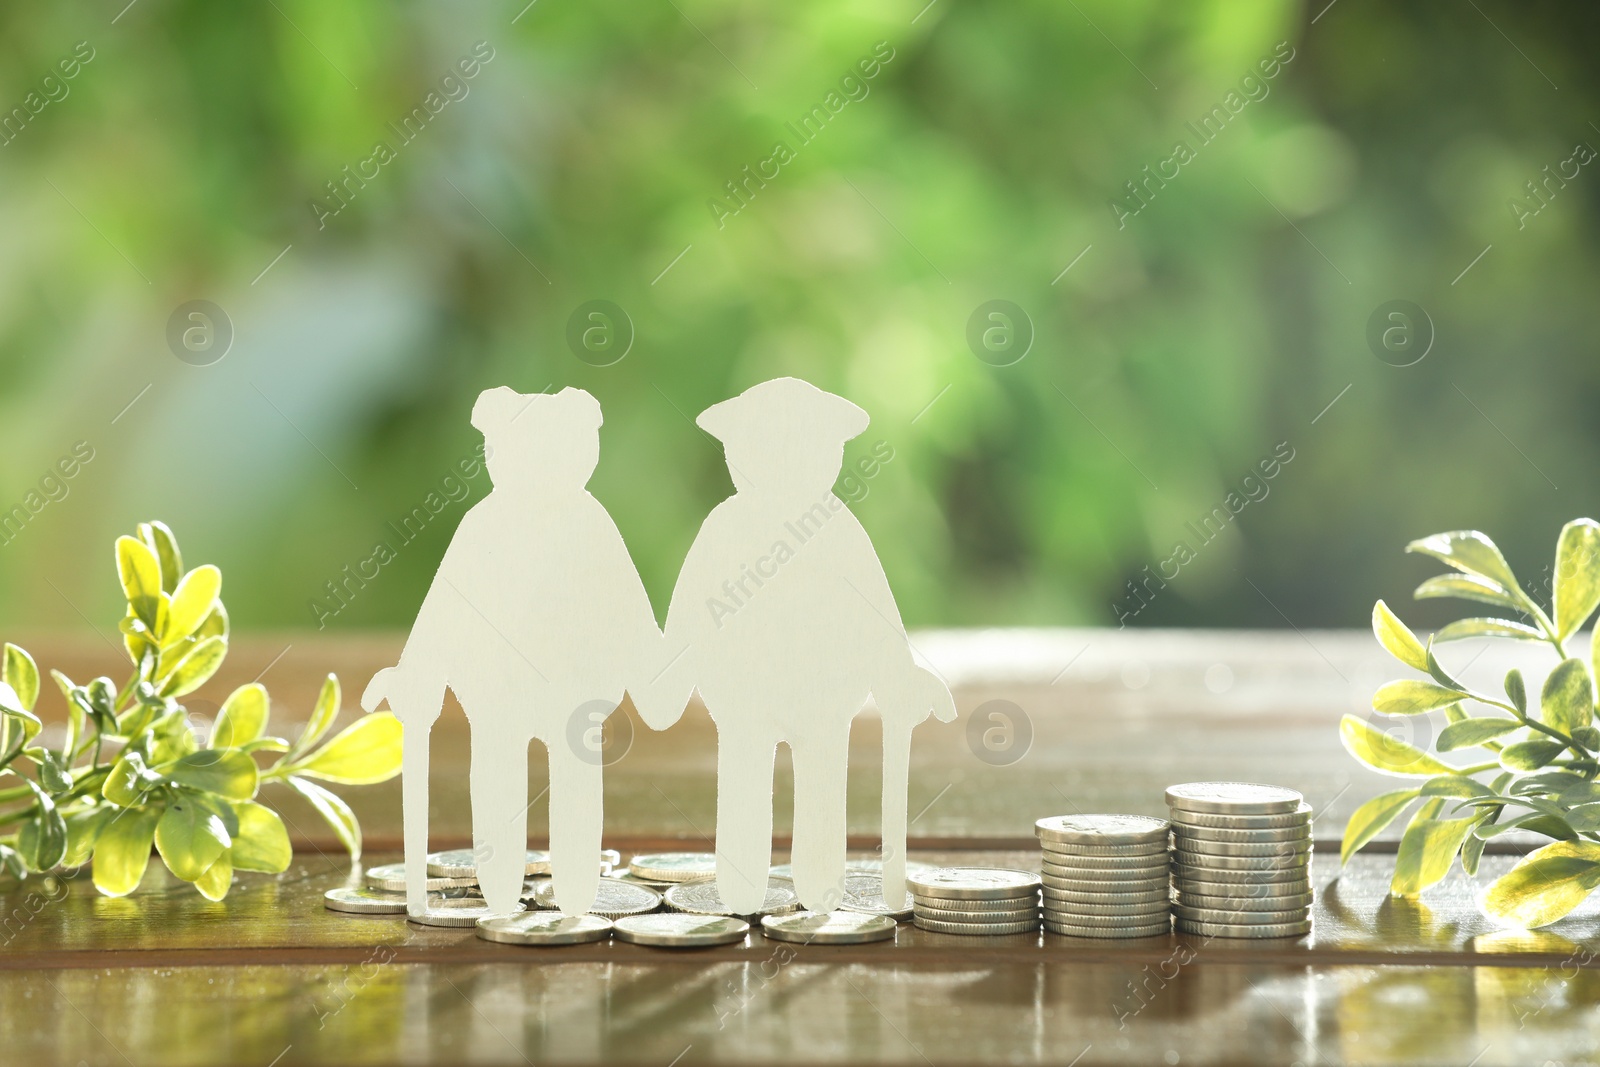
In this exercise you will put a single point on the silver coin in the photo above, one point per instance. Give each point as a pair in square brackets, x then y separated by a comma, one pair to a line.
[867, 866]
[1233, 798]
[1156, 929]
[973, 883]
[363, 901]
[1182, 833]
[677, 929]
[1104, 881]
[976, 929]
[702, 898]
[1213, 889]
[463, 863]
[1155, 848]
[959, 904]
[544, 928]
[1296, 861]
[956, 915]
[1101, 829]
[1132, 864]
[1262, 898]
[1298, 929]
[674, 866]
[445, 911]
[828, 927]
[1183, 873]
[625, 874]
[612, 899]
[1232, 917]
[1242, 848]
[1244, 903]
[391, 878]
[1120, 913]
[863, 893]
[1300, 816]
[530, 892]
[1072, 896]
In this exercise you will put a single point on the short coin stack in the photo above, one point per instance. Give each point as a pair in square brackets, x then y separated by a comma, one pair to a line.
[1241, 860]
[984, 901]
[1105, 875]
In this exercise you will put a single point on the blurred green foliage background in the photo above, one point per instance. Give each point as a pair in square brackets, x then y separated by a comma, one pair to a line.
[586, 160]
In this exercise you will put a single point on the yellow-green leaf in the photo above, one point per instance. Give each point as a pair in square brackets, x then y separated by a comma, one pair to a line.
[1413, 697]
[1464, 628]
[1469, 733]
[226, 772]
[1530, 755]
[243, 717]
[1466, 587]
[218, 878]
[1426, 852]
[130, 781]
[22, 675]
[334, 811]
[196, 668]
[190, 836]
[1567, 700]
[165, 545]
[1545, 884]
[141, 578]
[123, 850]
[262, 844]
[1397, 637]
[1577, 584]
[83, 830]
[1370, 819]
[322, 716]
[1470, 551]
[192, 602]
[365, 752]
[1386, 754]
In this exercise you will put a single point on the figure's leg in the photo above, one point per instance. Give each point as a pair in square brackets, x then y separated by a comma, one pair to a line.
[896, 773]
[820, 772]
[577, 816]
[414, 810]
[500, 814]
[744, 817]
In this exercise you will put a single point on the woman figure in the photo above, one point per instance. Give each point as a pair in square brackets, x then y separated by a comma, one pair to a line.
[536, 618]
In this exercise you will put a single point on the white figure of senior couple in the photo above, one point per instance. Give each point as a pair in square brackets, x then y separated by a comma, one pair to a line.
[537, 615]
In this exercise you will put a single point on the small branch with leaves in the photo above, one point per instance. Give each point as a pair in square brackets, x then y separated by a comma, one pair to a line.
[131, 770]
[1543, 759]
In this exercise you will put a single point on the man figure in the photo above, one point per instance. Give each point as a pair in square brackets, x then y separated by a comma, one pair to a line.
[783, 620]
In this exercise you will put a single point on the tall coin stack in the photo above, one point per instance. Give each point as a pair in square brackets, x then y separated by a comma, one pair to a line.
[982, 901]
[1241, 860]
[1105, 875]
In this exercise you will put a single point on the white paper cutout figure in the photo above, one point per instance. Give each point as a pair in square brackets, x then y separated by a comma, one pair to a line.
[783, 619]
[536, 615]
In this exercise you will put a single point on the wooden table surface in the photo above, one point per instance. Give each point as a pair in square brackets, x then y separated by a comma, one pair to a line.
[270, 977]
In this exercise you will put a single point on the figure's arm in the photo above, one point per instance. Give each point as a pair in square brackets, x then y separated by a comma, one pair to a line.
[688, 640]
[414, 687]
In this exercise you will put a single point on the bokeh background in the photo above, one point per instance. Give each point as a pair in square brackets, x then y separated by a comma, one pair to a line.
[1173, 349]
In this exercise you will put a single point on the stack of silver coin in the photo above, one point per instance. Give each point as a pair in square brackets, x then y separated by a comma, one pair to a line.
[1241, 860]
[984, 901]
[1105, 875]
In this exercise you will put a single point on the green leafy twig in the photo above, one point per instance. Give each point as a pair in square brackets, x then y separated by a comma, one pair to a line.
[1547, 756]
[131, 771]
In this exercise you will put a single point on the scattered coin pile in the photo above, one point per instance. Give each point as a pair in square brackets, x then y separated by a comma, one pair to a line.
[1105, 875]
[1233, 860]
[1241, 860]
[983, 901]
